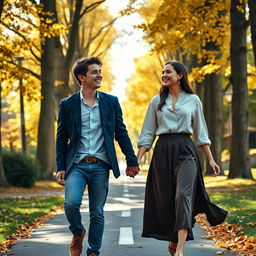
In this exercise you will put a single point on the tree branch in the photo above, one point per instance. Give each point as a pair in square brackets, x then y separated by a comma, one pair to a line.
[106, 48]
[99, 32]
[26, 70]
[73, 36]
[91, 29]
[91, 7]
[226, 87]
[102, 39]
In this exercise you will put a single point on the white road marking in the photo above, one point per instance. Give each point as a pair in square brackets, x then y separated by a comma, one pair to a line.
[125, 200]
[126, 213]
[126, 235]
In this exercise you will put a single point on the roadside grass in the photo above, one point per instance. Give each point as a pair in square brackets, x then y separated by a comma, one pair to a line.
[22, 211]
[241, 207]
[39, 186]
[25, 209]
[238, 197]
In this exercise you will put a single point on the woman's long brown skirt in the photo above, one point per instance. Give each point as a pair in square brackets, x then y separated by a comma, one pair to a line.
[175, 190]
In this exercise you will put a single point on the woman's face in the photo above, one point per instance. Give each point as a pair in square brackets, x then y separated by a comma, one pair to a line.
[170, 76]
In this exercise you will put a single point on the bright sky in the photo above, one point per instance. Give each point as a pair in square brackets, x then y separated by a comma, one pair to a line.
[129, 46]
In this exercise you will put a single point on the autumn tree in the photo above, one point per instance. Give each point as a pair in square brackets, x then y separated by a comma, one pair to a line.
[46, 137]
[23, 23]
[239, 161]
[95, 37]
[73, 15]
[213, 87]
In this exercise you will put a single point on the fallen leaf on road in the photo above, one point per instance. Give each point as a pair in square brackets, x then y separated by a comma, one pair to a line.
[229, 236]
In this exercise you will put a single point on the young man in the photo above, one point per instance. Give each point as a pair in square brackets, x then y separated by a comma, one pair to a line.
[88, 121]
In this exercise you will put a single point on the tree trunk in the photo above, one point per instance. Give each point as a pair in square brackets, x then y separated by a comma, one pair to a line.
[199, 87]
[239, 157]
[3, 181]
[252, 10]
[210, 93]
[46, 139]
[214, 116]
[64, 89]
[213, 100]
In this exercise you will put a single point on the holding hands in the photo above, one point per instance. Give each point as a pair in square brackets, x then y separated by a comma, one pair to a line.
[132, 171]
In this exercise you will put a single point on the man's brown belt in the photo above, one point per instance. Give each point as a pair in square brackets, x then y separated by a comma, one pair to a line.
[93, 159]
[89, 159]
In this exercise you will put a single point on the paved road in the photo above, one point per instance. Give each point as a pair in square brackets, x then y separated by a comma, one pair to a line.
[122, 236]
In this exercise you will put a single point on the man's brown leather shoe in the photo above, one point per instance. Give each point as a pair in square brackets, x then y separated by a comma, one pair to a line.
[76, 246]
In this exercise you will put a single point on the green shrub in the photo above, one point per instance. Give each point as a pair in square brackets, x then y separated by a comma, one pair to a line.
[20, 170]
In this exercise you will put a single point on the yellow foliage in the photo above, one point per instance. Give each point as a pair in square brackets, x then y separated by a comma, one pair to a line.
[21, 35]
[198, 28]
[144, 84]
[198, 73]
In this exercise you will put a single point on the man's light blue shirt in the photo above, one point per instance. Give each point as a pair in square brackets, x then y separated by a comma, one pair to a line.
[92, 139]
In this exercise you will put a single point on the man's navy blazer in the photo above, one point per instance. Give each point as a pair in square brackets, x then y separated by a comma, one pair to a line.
[69, 131]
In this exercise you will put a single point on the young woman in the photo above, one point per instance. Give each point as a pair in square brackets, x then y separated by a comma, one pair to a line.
[175, 190]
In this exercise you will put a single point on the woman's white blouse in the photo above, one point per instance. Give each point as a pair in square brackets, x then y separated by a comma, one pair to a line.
[187, 117]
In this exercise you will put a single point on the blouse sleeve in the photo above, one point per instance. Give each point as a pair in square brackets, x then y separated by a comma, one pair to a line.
[148, 132]
[199, 125]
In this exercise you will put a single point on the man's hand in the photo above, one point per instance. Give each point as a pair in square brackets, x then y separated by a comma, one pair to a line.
[132, 171]
[60, 177]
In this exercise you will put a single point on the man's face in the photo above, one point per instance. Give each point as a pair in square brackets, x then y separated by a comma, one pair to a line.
[92, 79]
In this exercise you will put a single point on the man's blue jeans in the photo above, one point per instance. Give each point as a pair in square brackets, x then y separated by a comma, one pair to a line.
[96, 177]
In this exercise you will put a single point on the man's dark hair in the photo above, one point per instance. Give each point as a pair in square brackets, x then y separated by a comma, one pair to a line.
[81, 66]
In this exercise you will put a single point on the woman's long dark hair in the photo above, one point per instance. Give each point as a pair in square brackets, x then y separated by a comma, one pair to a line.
[164, 91]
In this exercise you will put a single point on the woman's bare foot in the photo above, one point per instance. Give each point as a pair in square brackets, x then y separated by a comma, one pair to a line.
[172, 248]
[178, 252]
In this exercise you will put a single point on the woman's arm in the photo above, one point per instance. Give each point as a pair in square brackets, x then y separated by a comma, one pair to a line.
[141, 152]
[208, 154]
[148, 131]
